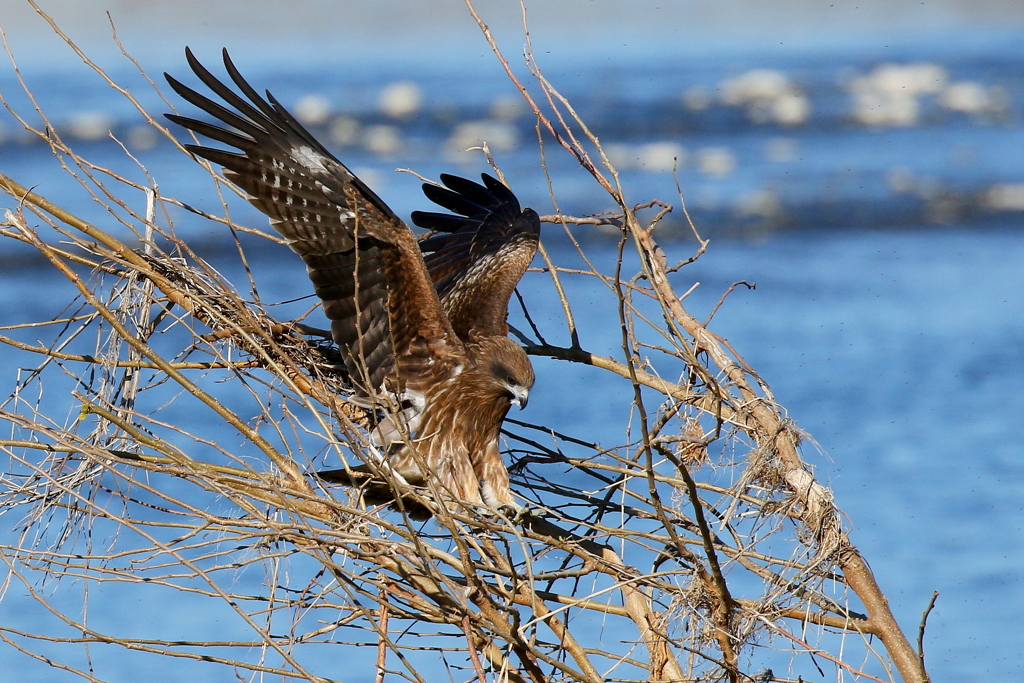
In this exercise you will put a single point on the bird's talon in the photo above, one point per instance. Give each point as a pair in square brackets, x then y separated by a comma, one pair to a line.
[514, 513]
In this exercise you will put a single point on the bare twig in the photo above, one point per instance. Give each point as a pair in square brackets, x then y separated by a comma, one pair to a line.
[183, 425]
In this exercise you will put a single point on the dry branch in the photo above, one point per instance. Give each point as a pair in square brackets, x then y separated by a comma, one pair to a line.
[637, 563]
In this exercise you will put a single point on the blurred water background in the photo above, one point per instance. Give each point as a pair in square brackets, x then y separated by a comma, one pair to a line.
[863, 163]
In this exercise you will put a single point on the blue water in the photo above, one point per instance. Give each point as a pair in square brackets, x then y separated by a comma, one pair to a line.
[898, 350]
[829, 167]
[900, 353]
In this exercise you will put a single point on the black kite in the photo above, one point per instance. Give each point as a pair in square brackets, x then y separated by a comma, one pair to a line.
[422, 326]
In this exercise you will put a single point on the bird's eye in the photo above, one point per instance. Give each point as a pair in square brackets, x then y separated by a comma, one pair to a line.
[511, 380]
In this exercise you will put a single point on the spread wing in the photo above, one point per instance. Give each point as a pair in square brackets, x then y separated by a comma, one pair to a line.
[364, 262]
[478, 256]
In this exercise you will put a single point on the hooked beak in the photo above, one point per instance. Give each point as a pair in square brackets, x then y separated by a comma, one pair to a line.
[520, 396]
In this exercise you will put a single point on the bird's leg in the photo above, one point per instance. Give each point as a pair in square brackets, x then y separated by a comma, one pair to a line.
[515, 514]
[492, 476]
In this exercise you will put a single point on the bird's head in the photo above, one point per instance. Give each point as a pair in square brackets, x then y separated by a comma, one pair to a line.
[511, 370]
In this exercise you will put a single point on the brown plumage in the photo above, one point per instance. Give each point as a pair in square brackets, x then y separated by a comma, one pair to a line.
[422, 326]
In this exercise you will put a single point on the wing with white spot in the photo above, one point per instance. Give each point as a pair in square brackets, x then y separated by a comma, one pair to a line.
[364, 262]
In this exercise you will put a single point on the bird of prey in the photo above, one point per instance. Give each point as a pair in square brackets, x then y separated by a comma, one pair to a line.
[421, 325]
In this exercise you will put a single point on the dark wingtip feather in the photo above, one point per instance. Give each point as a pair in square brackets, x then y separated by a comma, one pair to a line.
[444, 222]
[500, 190]
[176, 85]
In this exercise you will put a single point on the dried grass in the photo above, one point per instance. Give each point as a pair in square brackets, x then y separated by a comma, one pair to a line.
[701, 548]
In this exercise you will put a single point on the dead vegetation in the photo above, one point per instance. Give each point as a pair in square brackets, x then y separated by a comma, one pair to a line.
[162, 446]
